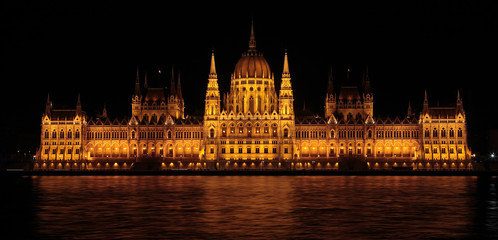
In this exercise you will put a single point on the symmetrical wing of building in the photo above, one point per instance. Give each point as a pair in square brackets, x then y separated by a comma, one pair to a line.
[254, 126]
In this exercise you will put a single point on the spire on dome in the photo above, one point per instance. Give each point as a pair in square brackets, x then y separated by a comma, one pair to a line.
[252, 39]
[212, 71]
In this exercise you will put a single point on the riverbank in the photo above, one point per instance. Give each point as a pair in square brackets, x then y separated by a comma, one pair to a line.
[14, 172]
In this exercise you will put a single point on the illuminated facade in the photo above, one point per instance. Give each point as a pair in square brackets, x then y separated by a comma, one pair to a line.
[254, 127]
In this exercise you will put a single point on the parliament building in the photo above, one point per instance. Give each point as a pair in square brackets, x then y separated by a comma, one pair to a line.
[254, 127]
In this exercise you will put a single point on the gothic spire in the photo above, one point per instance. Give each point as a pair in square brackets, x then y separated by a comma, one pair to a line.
[409, 111]
[179, 88]
[146, 85]
[285, 72]
[78, 105]
[330, 89]
[212, 71]
[173, 90]
[367, 81]
[459, 103]
[212, 102]
[426, 103]
[137, 84]
[347, 73]
[48, 105]
[104, 112]
[252, 39]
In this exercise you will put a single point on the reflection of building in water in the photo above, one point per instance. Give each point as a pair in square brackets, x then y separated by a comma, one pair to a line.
[254, 126]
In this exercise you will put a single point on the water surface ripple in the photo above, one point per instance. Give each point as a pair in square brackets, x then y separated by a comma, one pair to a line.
[255, 207]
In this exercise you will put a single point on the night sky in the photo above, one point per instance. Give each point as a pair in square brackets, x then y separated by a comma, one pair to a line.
[75, 47]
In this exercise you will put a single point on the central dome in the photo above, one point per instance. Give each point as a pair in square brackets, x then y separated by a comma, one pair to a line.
[252, 65]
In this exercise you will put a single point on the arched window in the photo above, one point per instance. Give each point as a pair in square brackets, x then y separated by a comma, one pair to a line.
[369, 133]
[434, 133]
[452, 132]
[61, 135]
[211, 133]
[332, 134]
[286, 133]
[169, 134]
[274, 130]
[133, 134]
[77, 133]
[46, 133]
[443, 132]
[460, 132]
[69, 134]
[426, 133]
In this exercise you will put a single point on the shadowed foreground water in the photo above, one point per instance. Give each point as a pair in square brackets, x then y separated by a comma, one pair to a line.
[262, 207]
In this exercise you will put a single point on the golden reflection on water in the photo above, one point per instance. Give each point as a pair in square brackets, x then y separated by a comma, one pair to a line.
[263, 207]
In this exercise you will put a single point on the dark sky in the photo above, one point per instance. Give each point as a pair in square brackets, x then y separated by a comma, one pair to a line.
[75, 47]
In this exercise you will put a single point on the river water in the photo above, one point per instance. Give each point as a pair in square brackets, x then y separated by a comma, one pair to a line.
[249, 207]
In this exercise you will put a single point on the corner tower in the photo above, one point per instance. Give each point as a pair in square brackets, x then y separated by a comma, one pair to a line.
[286, 97]
[212, 102]
[211, 115]
[286, 114]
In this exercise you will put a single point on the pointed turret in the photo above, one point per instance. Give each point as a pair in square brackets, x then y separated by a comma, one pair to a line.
[285, 72]
[137, 84]
[78, 105]
[330, 98]
[146, 84]
[104, 112]
[212, 102]
[179, 88]
[459, 103]
[409, 111]
[366, 83]
[172, 88]
[330, 89]
[348, 71]
[286, 97]
[212, 71]
[136, 100]
[48, 105]
[426, 103]
[286, 84]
